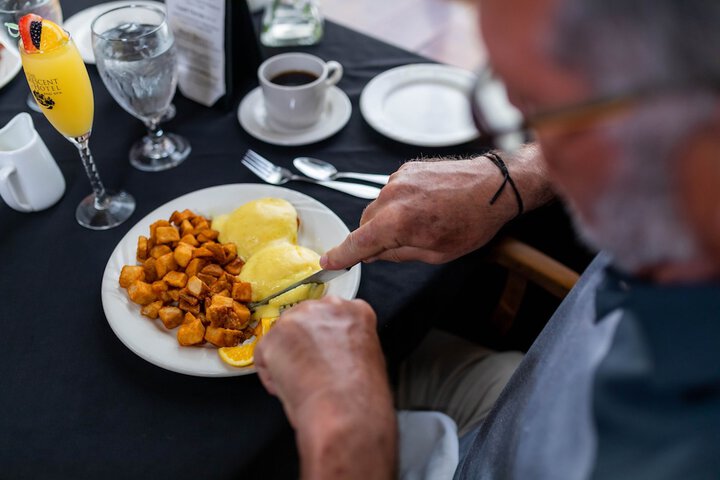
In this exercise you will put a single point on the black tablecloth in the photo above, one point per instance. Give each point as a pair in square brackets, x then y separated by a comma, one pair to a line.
[74, 402]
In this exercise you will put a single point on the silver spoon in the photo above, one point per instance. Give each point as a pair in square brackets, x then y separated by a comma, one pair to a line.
[321, 170]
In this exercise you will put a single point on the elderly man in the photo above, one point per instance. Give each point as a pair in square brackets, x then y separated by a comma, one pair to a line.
[624, 381]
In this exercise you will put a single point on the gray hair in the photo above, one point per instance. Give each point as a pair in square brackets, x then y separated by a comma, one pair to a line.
[622, 45]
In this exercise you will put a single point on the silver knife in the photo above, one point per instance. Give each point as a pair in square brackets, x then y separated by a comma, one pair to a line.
[323, 276]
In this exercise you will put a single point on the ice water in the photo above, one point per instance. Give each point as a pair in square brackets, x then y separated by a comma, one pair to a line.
[291, 22]
[138, 69]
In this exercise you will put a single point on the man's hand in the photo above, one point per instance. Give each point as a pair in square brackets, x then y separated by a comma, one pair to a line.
[436, 211]
[323, 360]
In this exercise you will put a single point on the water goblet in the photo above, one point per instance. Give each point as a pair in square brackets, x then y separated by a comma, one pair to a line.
[61, 86]
[10, 13]
[135, 55]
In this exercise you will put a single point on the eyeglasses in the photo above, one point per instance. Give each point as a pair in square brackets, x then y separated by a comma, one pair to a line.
[499, 121]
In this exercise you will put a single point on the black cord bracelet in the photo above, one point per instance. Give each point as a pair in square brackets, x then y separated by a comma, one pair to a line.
[495, 158]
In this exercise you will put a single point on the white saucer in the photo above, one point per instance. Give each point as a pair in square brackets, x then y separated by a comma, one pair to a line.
[252, 117]
[79, 24]
[421, 104]
[9, 66]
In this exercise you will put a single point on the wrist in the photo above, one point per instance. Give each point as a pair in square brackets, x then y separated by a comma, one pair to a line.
[341, 437]
[526, 168]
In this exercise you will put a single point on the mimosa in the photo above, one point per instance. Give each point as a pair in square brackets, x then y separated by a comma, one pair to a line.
[61, 86]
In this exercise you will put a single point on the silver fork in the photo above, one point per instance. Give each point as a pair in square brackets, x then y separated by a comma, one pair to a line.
[276, 175]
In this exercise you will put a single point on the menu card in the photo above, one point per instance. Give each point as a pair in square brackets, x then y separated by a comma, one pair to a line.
[217, 47]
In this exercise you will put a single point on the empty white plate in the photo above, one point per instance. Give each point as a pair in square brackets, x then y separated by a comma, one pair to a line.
[421, 104]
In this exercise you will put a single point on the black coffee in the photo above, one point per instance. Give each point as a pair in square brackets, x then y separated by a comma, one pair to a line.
[293, 78]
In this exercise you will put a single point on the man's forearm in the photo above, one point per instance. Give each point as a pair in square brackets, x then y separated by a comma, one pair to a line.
[348, 440]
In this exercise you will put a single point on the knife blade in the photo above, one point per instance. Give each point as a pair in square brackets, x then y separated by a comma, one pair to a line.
[323, 276]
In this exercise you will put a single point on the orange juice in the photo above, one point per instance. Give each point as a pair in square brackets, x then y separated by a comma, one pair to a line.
[60, 84]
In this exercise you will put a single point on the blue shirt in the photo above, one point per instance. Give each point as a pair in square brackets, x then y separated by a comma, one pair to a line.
[622, 383]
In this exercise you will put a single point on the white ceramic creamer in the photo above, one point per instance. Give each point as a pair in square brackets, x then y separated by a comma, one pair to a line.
[30, 180]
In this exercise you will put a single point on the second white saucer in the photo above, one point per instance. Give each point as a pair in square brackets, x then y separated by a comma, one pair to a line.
[252, 117]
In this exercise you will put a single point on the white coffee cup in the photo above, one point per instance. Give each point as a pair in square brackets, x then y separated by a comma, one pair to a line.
[293, 106]
[30, 180]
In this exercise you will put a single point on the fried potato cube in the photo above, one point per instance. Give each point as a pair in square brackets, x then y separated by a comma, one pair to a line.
[213, 269]
[174, 294]
[200, 223]
[178, 217]
[186, 296]
[222, 301]
[190, 240]
[185, 306]
[235, 266]
[160, 288]
[167, 234]
[142, 252]
[230, 252]
[151, 309]
[242, 312]
[207, 279]
[218, 252]
[175, 218]
[159, 223]
[202, 252]
[183, 254]
[227, 317]
[171, 317]
[149, 269]
[153, 229]
[130, 273]
[242, 292]
[229, 278]
[223, 337]
[216, 314]
[176, 279]
[196, 287]
[221, 285]
[165, 264]
[141, 293]
[186, 228]
[223, 293]
[207, 234]
[159, 250]
[194, 267]
[191, 332]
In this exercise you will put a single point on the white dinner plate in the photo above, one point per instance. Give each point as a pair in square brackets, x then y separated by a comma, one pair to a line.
[79, 24]
[253, 118]
[10, 65]
[421, 104]
[320, 229]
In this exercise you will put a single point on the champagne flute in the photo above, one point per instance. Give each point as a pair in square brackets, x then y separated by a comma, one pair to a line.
[12, 10]
[60, 84]
[135, 55]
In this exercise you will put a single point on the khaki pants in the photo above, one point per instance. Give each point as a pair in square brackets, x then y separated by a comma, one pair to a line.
[448, 374]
